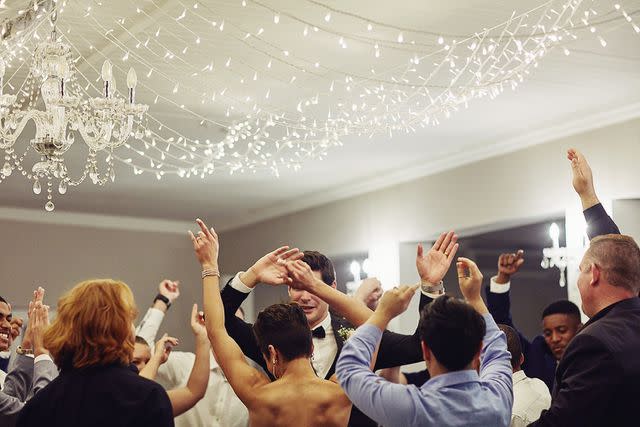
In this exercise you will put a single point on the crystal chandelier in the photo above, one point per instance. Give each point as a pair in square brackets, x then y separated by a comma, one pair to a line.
[51, 98]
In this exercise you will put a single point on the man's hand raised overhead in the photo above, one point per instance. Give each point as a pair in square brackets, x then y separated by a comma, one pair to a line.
[582, 178]
[433, 265]
[271, 269]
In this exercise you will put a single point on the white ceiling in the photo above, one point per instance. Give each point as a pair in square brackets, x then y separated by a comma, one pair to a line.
[590, 87]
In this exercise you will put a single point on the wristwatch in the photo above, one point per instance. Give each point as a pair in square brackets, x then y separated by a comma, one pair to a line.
[430, 288]
[163, 299]
[24, 351]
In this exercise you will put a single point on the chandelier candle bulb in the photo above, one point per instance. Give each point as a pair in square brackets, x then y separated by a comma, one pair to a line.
[132, 81]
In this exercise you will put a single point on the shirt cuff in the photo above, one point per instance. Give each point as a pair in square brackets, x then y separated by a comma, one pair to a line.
[237, 284]
[43, 357]
[498, 288]
[433, 296]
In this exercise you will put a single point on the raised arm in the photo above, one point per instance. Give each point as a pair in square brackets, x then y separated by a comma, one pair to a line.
[598, 221]
[184, 398]
[269, 270]
[498, 299]
[495, 360]
[168, 292]
[381, 400]
[160, 356]
[242, 377]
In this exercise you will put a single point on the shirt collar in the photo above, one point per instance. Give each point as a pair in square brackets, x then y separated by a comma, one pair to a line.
[326, 323]
[452, 378]
[519, 376]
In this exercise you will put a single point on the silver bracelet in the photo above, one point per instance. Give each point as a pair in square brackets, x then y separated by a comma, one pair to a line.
[210, 272]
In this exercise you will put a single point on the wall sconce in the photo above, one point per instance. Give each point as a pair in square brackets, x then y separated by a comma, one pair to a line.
[560, 257]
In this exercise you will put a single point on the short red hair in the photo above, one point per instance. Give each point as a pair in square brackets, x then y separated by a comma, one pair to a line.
[93, 325]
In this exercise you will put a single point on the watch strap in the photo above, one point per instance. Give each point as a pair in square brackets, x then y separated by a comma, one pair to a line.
[163, 299]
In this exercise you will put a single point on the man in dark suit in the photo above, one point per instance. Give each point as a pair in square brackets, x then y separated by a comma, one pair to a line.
[330, 329]
[560, 322]
[598, 379]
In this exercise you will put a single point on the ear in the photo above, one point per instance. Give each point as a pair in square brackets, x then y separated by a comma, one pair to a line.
[273, 354]
[595, 274]
[426, 352]
[334, 285]
[521, 359]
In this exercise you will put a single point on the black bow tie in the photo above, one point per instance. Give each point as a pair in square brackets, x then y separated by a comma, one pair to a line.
[318, 332]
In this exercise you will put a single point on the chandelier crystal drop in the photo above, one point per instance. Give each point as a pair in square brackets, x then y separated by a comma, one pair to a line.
[51, 98]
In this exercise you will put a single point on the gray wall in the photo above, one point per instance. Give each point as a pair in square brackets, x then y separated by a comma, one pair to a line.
[58, 256]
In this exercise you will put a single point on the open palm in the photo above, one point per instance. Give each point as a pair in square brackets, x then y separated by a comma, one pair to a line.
[433, 265]
[271, 268]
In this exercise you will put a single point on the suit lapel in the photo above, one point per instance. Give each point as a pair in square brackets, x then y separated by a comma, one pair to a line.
[337, 323]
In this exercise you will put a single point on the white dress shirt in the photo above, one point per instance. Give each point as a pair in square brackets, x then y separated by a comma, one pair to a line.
[220, 407]
[324, 349]
[530, 397]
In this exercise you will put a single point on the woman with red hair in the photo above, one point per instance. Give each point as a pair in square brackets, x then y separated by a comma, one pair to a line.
[91, 341]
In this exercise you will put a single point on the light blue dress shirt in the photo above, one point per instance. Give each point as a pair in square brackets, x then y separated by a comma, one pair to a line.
[461, 398]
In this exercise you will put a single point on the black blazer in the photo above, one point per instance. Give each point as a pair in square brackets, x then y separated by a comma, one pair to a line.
[395, 349]
[598, 379]
[106, 396]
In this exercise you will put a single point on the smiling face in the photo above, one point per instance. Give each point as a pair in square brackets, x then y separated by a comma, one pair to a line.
[314, 308]
[5, 326]
[558, 330]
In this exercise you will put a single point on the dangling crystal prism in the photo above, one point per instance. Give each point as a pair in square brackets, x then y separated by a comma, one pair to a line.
[6, 169]
[112, 175]
[62, 188]
[36, 187]
[49, 206]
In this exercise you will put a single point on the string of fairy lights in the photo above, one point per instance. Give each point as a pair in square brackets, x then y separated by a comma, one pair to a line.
[231, 88]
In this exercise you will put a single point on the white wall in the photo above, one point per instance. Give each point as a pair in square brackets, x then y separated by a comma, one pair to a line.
[531, 183]
[626, 214]
[57, 256]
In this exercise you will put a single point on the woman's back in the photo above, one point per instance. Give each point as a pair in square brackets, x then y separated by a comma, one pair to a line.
[106, 396]
[302, 403]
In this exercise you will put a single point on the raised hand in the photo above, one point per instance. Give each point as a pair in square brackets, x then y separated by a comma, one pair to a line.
[170, 289]
[433, 265]
[508, 265]
[38, 323]
[301, 276]
[369, 292]
[582, 178]
[470, 280]
[164, 347]
[271, 268]
[395, 301]
[38, 298]
[205, 245]
[197, 323]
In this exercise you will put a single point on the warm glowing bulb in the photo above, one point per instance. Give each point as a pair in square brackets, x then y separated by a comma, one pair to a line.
[132, 78]
[554, 232]
[107, 73]
[355, 270]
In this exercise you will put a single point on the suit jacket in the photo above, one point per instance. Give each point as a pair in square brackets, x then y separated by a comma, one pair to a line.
[599, 222]
[24, 379]
[598, 379]
[99, 396]
[395, 349]
[539, 362]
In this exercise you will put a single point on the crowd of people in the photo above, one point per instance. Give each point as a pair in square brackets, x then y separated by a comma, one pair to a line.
[328, 359]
